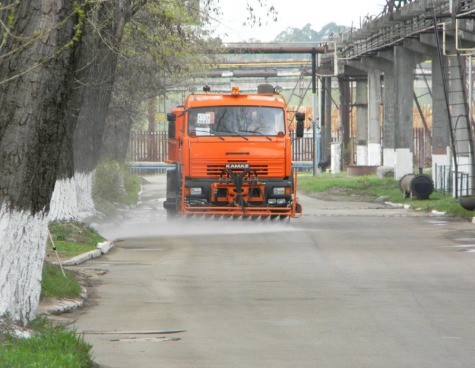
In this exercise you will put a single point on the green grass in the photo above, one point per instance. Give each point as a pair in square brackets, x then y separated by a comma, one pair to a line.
[373, 187]
[54, 284]
[72, 238]
[362, 185]
[50, 346]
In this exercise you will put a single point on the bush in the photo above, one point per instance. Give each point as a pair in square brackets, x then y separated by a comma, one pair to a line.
[109, 182]
[114, 186]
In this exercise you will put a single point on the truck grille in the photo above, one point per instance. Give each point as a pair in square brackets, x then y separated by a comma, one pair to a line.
[216, 170]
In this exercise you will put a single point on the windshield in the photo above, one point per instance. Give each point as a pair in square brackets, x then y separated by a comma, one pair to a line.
[236, 120]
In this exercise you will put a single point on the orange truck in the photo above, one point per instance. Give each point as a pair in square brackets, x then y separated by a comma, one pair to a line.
[231, 155]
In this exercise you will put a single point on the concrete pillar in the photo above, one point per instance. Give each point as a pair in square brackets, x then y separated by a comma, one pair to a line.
[335, 157]
[326, 121]
[404, 89]
[374, 118]
[389, 120]
[440, 123]
[328, 117]
[361, 104]
[344, 88]
[374, 66]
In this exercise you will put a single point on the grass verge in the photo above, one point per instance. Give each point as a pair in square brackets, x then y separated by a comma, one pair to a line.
[50, 346]
[372, 187]
[54, 284]
[71, 238]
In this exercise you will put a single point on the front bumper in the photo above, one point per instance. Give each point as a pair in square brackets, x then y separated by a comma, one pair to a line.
[252, 197]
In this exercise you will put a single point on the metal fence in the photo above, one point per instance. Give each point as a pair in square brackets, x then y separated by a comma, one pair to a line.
[302, 149]
[152, 147]
[444, 179]
[147, 146]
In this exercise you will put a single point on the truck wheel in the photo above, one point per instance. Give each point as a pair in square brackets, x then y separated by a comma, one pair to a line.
[298, 208]
[171, 204]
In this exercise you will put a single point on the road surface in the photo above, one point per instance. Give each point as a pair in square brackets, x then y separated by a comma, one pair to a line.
[350, 284]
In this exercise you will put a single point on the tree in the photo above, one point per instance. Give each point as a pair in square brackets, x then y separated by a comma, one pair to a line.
[307, 34]
[38, 42]
[93, 76]
[58, 64]
[174, 46]
[151, 55]
[166, 39]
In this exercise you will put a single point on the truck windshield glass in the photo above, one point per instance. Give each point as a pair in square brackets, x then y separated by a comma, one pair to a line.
[236, 120]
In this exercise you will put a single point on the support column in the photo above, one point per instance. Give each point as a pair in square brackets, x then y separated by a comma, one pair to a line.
[389, 121]
[361, 104]
[327, 121]
[374, 118]
[404, 87]
[344, 87]
[384, 62]
[440, 123]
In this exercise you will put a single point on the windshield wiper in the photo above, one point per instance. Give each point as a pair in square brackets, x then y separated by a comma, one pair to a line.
[233, 133]
[209, 134]
[256, 132]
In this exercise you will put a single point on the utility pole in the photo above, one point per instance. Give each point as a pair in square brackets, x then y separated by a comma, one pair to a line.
[315, 121]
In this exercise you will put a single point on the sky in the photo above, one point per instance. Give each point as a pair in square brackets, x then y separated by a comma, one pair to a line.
[292, 13]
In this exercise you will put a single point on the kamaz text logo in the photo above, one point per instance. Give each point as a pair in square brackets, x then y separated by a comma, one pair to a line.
[237, 166]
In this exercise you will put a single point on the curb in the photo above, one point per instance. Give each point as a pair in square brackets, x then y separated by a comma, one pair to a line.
[407, 207]
[64, 305]
[102, 248]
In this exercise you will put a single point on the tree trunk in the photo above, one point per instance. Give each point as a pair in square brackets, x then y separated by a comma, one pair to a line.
[71, 198]
[36, 81]
[115, 143]
[89, 132]
[97, 62]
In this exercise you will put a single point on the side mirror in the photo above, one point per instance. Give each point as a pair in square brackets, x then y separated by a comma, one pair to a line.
[171, 117]
[300, 117]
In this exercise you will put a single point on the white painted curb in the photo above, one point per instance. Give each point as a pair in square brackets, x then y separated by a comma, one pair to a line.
[105, 246]
[82, 258]
[395, 205]
[102, 248]
[65, 305]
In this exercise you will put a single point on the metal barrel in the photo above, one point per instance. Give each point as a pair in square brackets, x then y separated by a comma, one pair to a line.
[418, 186]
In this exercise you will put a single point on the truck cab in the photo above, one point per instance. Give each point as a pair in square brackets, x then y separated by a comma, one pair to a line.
[232, 156]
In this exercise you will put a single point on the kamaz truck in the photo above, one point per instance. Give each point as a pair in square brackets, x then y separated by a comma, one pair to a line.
[231, 155]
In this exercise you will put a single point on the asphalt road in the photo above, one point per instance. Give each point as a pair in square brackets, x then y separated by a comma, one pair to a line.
[350, 284]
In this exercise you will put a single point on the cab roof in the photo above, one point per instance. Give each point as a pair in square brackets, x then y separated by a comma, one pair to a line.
[208, 99]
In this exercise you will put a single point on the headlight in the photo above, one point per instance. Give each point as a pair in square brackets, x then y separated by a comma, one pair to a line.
[281, 201]
[272, 201]
[278, 190]
[196, 191]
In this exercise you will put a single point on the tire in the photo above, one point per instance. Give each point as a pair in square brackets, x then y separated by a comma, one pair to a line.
[173, 191]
